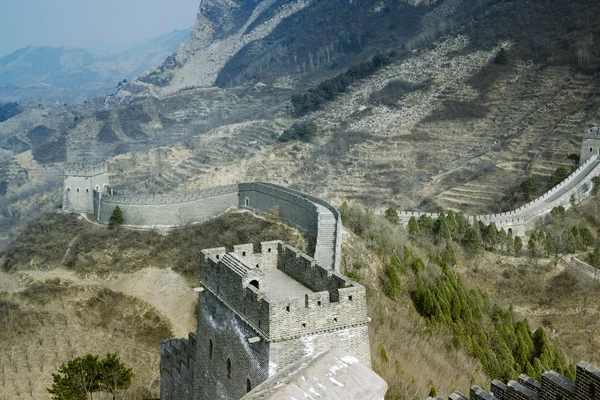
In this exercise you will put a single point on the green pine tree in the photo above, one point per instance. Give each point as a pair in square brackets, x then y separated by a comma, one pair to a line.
[115, 376]
[116, 218]
[76, 379]
[391, 214]
[413, 227]
[448, 256]
[518, 245]
[587, 237]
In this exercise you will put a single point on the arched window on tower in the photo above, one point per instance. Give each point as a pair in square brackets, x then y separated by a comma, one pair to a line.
[210, 349]
[228, 368]
[248, 385]
[247, 202]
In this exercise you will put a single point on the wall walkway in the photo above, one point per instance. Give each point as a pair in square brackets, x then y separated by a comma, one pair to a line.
[312, 215]
[528, 216]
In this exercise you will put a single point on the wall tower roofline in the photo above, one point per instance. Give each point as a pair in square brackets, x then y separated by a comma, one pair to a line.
[85, 170]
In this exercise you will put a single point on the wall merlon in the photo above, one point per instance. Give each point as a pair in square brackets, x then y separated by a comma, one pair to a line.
[457, 396]
[529, 383]
[553, 381]
[477, 393]
[523, 391]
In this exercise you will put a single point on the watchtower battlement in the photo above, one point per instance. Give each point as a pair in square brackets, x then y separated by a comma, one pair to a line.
[265, 308]
[590, 145]
[81, 181]
[281, 291]
[592, 133]
[85, 170]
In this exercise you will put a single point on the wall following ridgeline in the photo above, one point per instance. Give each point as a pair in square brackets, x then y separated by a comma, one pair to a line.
[528, 216]
[168, 210]
[312, 215]
[582, 267]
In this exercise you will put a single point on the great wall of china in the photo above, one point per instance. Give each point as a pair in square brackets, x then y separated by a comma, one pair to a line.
[86, 189]
[528, 216]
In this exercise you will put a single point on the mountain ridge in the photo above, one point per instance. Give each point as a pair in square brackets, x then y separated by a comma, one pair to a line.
[74, 74]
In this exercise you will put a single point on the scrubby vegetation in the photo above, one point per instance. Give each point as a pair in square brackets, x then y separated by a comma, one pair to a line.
[456, 228]
[314, 99]
[84, 248]
[421, 266]
[303, 131]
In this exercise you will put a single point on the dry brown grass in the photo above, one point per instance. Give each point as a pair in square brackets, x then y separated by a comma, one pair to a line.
[45, 322]
[51, 322]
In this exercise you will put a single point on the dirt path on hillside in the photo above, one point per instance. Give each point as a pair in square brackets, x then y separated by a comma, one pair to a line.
[164, 289]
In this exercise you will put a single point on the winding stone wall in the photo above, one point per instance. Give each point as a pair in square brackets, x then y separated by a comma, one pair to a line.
[552, 387]
[314, 216]
[170, 210]
[526, 217]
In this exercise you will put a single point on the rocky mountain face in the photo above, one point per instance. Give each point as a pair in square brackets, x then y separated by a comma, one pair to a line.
[75, 75]
[286, 42]
[443, 125]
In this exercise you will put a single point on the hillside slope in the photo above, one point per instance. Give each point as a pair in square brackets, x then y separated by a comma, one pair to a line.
[287, 41]
[441, 126]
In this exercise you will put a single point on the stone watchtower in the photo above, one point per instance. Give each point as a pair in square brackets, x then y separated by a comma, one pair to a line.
[591, 144]
[258, 313]
[81, 181]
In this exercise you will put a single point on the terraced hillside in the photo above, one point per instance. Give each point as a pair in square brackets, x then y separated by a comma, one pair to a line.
[449, 143]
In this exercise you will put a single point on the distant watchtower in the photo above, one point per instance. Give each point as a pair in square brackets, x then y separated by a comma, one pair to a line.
[591, 144]
[81, 180]
[260, 312]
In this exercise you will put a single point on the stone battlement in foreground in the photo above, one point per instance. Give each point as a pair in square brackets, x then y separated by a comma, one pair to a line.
[553, 386]
[281, 291]
[261, 310]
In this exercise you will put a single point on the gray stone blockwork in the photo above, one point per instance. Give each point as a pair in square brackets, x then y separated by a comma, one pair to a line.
[261, 311]
[553, 387]
[86, 189]
[591, 144]
[81, 182]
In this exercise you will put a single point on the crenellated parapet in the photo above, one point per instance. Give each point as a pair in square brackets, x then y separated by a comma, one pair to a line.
[177, 367]
[578, 185]
[168, 198]
[85, 170]
[553, 386]
[253, 284]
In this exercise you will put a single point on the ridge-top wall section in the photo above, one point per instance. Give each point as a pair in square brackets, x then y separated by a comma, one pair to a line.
[314, 216]
[175, 209]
